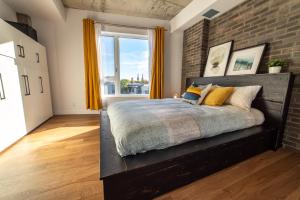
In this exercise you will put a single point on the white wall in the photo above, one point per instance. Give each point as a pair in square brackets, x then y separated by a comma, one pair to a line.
[43, 9]
[64, 43]
[63, 40]
[60, 8]
[173, 68]
[46, 36]
[6, 12]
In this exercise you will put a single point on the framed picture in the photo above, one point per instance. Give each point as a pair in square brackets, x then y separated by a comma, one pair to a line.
[217, 59]
[246, 61]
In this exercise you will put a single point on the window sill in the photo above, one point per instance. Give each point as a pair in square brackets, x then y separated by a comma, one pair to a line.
[107, 100]
[126, 96]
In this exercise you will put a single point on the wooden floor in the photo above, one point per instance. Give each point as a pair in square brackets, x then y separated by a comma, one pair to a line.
[60, 160]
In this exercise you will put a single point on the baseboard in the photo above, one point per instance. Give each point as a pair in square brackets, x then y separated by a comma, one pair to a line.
[75, 112]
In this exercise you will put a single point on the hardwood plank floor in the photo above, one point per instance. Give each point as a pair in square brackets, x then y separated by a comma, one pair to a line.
[60, 160]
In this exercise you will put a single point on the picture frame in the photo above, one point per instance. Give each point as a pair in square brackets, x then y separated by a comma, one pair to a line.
[246, 60]
[217, 59]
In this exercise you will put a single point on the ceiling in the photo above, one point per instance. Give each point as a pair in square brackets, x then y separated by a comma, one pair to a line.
[46, 9]
[160, 9]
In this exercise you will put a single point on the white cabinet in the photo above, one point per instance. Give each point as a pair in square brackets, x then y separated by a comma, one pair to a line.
[45, 85]
[30, 77]
[12, 121]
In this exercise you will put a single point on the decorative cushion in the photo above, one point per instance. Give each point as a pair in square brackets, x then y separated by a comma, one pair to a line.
[217, 96]
[205, 90]
[194, 90]
[196, 93]
[243, 96]
[192, 94]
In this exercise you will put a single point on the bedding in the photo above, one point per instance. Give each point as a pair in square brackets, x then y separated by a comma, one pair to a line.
[142, 125]
[243, 96]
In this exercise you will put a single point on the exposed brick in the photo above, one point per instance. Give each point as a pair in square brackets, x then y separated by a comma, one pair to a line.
[276, 22]
[195, 42]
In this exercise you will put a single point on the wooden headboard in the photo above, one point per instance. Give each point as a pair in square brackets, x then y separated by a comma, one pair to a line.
[273, 100]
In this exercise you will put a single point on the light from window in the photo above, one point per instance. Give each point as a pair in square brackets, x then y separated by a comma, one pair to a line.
[125, 65]
[108, 64]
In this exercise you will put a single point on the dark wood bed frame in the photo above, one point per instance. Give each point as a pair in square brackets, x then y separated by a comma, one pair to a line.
[147, 175]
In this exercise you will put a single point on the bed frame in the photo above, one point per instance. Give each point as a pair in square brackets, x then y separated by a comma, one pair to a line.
[147, 175]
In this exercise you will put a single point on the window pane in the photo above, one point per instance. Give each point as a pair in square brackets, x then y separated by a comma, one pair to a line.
[108, 64]
[134, 66]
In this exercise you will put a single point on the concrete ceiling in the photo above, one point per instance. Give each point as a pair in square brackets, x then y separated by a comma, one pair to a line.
[160, 9]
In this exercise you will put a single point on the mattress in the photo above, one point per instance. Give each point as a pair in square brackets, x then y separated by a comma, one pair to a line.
[143, 125]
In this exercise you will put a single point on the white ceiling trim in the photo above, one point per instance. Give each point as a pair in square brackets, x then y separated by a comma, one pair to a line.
[192, 13]
[45, 9]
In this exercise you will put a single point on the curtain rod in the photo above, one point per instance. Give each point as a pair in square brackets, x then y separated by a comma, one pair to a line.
[127, 26]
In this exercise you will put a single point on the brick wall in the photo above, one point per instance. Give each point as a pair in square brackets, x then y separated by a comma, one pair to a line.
[276, 22]
[195, 41]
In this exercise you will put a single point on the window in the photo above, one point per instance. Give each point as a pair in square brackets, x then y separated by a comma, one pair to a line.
[125, 65]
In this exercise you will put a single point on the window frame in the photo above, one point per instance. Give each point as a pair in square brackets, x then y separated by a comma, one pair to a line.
[117, 80]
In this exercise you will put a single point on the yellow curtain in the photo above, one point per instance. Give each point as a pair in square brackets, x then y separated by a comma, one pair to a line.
[92, 89]
[157, 78]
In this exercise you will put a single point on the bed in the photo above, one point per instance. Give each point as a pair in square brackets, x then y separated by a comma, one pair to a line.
[139, 126]
[147, 175]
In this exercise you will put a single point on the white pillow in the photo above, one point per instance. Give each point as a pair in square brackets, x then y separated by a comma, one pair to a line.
[243, 96]
[204, 92]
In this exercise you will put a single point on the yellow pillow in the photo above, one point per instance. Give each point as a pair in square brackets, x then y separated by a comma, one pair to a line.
[195, 90]
[217, 96]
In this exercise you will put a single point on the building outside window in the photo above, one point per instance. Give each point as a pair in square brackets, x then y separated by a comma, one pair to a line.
[125, 64]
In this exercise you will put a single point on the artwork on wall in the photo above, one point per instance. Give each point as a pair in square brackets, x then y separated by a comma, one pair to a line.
[246, 61]
[217, 59]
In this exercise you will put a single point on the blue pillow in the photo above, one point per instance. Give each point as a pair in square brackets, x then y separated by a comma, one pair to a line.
[191, 96]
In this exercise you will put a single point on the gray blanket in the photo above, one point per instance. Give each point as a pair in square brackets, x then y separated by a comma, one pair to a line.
[142, 125]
